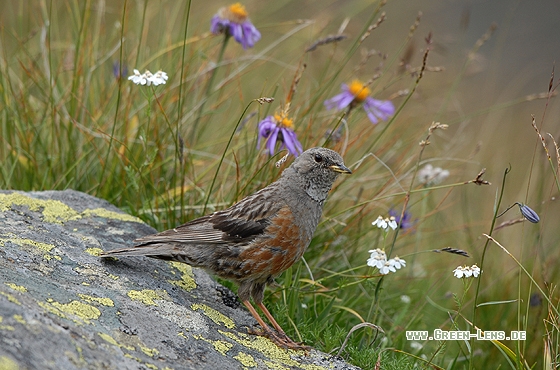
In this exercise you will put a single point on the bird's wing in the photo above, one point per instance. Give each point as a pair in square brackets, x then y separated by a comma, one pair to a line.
[242, 222]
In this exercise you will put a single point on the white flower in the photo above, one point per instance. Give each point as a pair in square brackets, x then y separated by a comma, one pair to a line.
[147, 78]
[391, 221]
[377, 261]
[398, 263]
[475, 270]
[431, 176]
[137, 78]
[385, 223]
[159, 78]
[380, 223]
[377, 258]
[387, 267]
[459, 272]
[405, 299]
[466, 271]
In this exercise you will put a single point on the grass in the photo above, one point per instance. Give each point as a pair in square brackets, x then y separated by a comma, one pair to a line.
[177, 151]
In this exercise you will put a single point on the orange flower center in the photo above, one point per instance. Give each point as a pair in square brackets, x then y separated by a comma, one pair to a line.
[234, 13]
[284, 121]
[359, 90]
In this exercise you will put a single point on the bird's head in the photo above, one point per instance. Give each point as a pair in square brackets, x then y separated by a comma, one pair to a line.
[316, 169]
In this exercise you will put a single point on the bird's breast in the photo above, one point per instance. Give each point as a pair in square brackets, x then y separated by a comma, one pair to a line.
[283, 244]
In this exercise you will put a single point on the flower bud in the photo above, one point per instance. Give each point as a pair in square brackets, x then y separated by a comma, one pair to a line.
[528, 213]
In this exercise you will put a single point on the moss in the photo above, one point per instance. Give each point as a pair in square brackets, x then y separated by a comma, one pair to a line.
[216, 316]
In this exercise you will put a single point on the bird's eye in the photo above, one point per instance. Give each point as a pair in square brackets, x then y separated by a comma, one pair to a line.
[318, 158]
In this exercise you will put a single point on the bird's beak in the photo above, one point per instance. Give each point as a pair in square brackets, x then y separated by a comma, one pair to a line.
[340, 168]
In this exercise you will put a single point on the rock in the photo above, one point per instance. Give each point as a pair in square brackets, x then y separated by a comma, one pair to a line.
[62, 307]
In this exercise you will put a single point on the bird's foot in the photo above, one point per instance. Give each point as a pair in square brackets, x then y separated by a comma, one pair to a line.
[280, 339]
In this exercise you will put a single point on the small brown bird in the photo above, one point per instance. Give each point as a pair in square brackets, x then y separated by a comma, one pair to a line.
[256, 239]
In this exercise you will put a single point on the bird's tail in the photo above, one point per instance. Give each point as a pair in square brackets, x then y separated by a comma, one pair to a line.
[140, 250]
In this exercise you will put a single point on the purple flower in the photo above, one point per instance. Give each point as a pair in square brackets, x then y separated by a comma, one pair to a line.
[118, 72]
[234, 21]
[357, 93]
[406, 223]
[278, 128]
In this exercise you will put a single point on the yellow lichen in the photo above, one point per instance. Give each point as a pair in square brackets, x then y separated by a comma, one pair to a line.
[145, 296]
[94, 251]
[149, 351]
[104, 301]
[216, 316]
[219, 345]
[11, 298]
[5, 327]
[25, 242]
[109, 339]
[19, 319]
[104, 213]
[19, 288]
[83, 311]
[269, 349]
[54, 211]
[246, 359]
[274, 366]
[187, 281]
[7, 363]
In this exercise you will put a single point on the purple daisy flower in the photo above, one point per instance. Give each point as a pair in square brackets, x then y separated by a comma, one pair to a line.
[278, 128]
[357, 93]
[234, 21]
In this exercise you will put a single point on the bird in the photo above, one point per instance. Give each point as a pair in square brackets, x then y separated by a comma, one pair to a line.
[256, 239]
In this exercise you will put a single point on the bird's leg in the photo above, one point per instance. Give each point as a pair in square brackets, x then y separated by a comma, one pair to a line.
[271, 319]
[280, 339]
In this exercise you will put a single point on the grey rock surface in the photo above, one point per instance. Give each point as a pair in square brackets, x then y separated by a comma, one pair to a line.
[62, 307]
